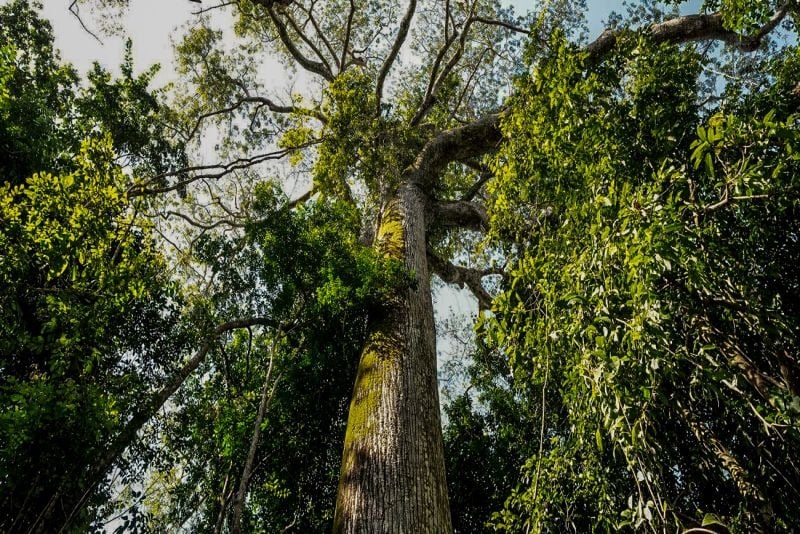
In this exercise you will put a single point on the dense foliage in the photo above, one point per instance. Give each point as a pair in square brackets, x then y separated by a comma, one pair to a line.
[88, 313]
[653, 291]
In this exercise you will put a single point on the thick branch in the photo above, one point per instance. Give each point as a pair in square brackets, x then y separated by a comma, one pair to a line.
[483, 135]
[402, 33]
[461, 214]
[461, 276]
[465, 142]
[301, 199]
[691, 28]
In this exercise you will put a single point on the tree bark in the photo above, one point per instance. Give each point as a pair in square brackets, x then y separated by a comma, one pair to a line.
[392, 477]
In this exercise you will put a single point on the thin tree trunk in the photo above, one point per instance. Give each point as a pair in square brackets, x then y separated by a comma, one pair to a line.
[247, 472]
[392, 475]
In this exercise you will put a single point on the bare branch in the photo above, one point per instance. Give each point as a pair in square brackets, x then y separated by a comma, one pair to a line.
[262, 101]
[319, 32]
[501, 23]
[435, 70]
[188, 175]
[315, 67]
[461, 276]
[202, 225]
[73, 8]
[212, 8]
[402, 33]
[309, 42]
[468, 84]
[437, 80]
[348, 29]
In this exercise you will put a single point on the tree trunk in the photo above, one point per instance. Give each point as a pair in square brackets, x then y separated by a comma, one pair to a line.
[392, 476]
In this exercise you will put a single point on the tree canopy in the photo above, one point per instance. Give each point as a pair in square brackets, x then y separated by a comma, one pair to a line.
[193, 278]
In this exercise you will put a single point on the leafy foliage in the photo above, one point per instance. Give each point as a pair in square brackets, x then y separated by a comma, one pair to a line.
[652, 297]
[89, 315]
[86, 319]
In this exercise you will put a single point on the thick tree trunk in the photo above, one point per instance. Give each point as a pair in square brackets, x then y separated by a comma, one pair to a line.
[392, 477]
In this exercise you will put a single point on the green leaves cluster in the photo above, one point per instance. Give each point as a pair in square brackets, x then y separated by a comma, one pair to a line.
[651, 296]
[357, 144]
[89, 317]
[84, 303]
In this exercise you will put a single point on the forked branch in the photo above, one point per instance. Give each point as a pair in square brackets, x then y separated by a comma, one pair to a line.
[316, 67]
[463, 276]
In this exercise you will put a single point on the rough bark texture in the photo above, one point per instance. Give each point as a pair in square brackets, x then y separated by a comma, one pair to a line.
[392, 477]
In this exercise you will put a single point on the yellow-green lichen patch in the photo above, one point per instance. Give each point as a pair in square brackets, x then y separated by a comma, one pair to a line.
[378, 360]
[390, 239]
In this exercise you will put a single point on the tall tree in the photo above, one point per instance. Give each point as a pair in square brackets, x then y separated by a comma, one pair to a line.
[409, 158]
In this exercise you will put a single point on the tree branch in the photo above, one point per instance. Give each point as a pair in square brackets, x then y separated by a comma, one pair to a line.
[437, 80]
[315, 67]
[247, 472]
[461, 276]
[483, 135]
[263, 101]
[320, 33]
[461, 214]
[484, 176]
[691, 28]
[402, 33]
[73, 8]
[301, 199]
[309, 42]
[141, 188]
[348, 29]
[465, 142]
[501, 23]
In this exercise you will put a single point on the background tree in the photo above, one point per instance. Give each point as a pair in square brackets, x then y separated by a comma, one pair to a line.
[89, 317]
